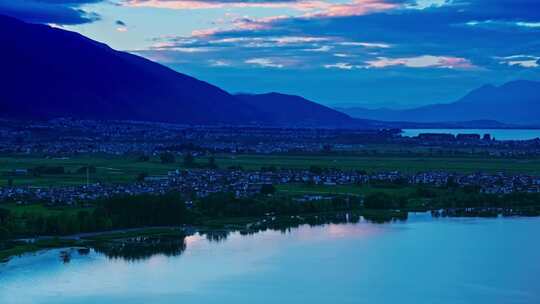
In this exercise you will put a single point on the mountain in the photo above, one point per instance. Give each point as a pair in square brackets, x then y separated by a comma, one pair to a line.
[516, 102]
[296, 110]
[49, 72]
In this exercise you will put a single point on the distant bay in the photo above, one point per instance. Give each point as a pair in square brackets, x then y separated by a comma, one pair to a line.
[499, 134]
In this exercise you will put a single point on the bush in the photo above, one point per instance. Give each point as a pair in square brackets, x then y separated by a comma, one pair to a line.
[382, 200]
[268, 189]
[167, 158]
[4, 233]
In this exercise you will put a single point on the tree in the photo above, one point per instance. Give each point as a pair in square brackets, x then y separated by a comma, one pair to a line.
[269, 169]
[267, 189]
[4, 215]
[87, 169]
[167, 158]
[315, 170]
[381, 200]
[212, 163]
[189, 160]
[4, 233]
[141, 176]
[143, 158]
[40, 170]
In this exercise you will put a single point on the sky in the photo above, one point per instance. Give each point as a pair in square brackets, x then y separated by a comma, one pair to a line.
[369, 53]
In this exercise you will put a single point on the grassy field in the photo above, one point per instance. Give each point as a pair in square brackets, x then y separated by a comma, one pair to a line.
[39, 209]
[386, 163]
[113, 169]
[296, 189]
[109, 169]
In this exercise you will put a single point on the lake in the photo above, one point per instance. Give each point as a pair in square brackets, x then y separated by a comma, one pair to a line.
[500, 134]
[422, 260]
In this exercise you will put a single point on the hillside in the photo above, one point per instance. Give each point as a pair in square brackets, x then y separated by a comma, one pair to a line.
[516, 102]
[49, 72]
[296, 110]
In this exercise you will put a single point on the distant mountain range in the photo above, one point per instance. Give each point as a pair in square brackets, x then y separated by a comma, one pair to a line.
[49, 73]
[516, 102]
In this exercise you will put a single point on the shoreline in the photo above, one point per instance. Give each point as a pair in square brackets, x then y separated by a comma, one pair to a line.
[242, 224]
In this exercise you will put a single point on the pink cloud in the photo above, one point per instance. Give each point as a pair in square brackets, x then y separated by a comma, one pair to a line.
[355, 8]
[300, 5]
[204, 32]
[313, 8]
[426, 61]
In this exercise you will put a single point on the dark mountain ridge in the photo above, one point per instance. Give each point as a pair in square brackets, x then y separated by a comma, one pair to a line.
[516, 102]
[49, 72]
[297, 111]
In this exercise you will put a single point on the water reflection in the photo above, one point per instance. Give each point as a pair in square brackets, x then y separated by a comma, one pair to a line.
[144, 247]
[65, 256]
[141, 248]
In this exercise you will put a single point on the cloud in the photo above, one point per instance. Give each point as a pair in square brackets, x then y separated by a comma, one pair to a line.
[264, 62]
[311, 8]
[367, 44]
[64, 12]
[219, 63]
[375, 34]
[524, 61]
[354, 8]
[529, 24]
[121, 26]
[425, 61]
[303, 52]
[173, 47]
[213, 4]
[340, 66]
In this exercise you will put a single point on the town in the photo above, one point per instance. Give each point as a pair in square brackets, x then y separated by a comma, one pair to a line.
[198, 183]
[68, 137]
[64, 138]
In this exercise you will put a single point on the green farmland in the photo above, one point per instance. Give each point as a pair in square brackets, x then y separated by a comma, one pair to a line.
[125, 169]
[386, 163]
[300, 189]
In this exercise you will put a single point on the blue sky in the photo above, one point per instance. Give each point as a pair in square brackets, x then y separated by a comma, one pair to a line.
[374, 53]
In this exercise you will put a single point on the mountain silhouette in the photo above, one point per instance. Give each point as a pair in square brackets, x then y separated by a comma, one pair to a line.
[516, 102]
[49, 72]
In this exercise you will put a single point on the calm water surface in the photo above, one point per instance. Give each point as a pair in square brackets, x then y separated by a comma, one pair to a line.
[422, 260]
[500, 134]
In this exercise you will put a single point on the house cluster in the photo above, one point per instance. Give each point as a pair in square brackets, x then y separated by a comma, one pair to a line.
[68, 137]
[203, 182]
[76, 194]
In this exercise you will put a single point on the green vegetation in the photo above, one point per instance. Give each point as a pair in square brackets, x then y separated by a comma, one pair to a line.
[115, 213]
[42, 171]
[223, 210]
[107, 169]
[377, 201]
[225, 205]
[403, 163]
[342, 189]
[14, 248]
